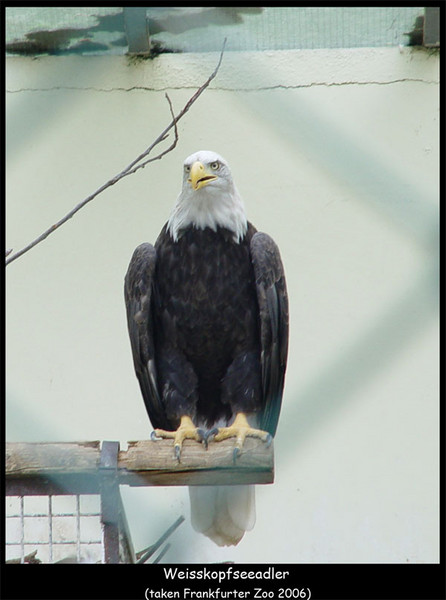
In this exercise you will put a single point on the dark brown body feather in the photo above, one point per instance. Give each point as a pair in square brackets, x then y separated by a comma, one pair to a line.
[208, 324]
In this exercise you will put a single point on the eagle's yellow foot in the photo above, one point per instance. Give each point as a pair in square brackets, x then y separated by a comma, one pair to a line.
[240, 429]
[185, 431]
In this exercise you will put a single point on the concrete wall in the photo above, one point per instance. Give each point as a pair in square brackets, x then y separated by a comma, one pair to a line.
[336, 156]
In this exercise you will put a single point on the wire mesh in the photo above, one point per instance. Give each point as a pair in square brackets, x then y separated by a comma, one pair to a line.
[287, 28]
[60, 528]
[93, 30]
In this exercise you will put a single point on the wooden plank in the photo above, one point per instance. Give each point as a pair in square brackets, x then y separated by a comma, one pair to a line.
[144, 463]
[197, 466]
[26, 460]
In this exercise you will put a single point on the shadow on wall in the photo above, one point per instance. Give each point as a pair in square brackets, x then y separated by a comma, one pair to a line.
[373, 352]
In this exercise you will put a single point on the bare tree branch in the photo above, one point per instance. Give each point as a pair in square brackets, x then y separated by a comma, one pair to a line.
[134, 166]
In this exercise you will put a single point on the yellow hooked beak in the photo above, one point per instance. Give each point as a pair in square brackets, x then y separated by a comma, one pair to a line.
[199, 176]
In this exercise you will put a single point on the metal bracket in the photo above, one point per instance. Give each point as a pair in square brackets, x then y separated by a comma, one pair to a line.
[109, 456]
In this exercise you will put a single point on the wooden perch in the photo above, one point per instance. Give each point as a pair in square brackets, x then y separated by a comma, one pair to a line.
[144, 463]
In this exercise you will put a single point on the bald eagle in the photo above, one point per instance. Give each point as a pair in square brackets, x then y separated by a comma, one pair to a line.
[207, 315]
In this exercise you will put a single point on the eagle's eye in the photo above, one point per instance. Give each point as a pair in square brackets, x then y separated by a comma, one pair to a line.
[215, 166]
[187, 168]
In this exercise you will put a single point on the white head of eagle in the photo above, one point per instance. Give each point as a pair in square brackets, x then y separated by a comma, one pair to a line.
[208, 197]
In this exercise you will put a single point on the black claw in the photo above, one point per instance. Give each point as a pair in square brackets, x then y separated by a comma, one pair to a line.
[153, 437]
[203, 437]
[210, 433]
[235, 454]
[177, 450]
[269, 440]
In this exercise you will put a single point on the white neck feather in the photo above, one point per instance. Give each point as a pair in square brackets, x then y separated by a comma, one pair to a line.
[208, 207]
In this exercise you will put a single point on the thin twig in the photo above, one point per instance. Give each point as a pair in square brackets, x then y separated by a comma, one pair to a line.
[132, 167]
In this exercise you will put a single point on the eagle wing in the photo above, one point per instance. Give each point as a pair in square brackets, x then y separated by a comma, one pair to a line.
[273, 313]
[139, 298]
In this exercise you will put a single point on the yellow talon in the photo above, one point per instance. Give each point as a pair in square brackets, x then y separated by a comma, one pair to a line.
[185, 431]
[240, 429]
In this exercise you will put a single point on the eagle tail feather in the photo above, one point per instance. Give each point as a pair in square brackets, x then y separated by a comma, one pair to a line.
[223, 513]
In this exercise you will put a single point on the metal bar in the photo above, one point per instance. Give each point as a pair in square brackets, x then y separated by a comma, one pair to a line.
[137, 30]
[126, 545]
[431, 30]
[161, 554]
[50, 526]
[109, 486]
[78, 528]
[145, 554]
[22, 530]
